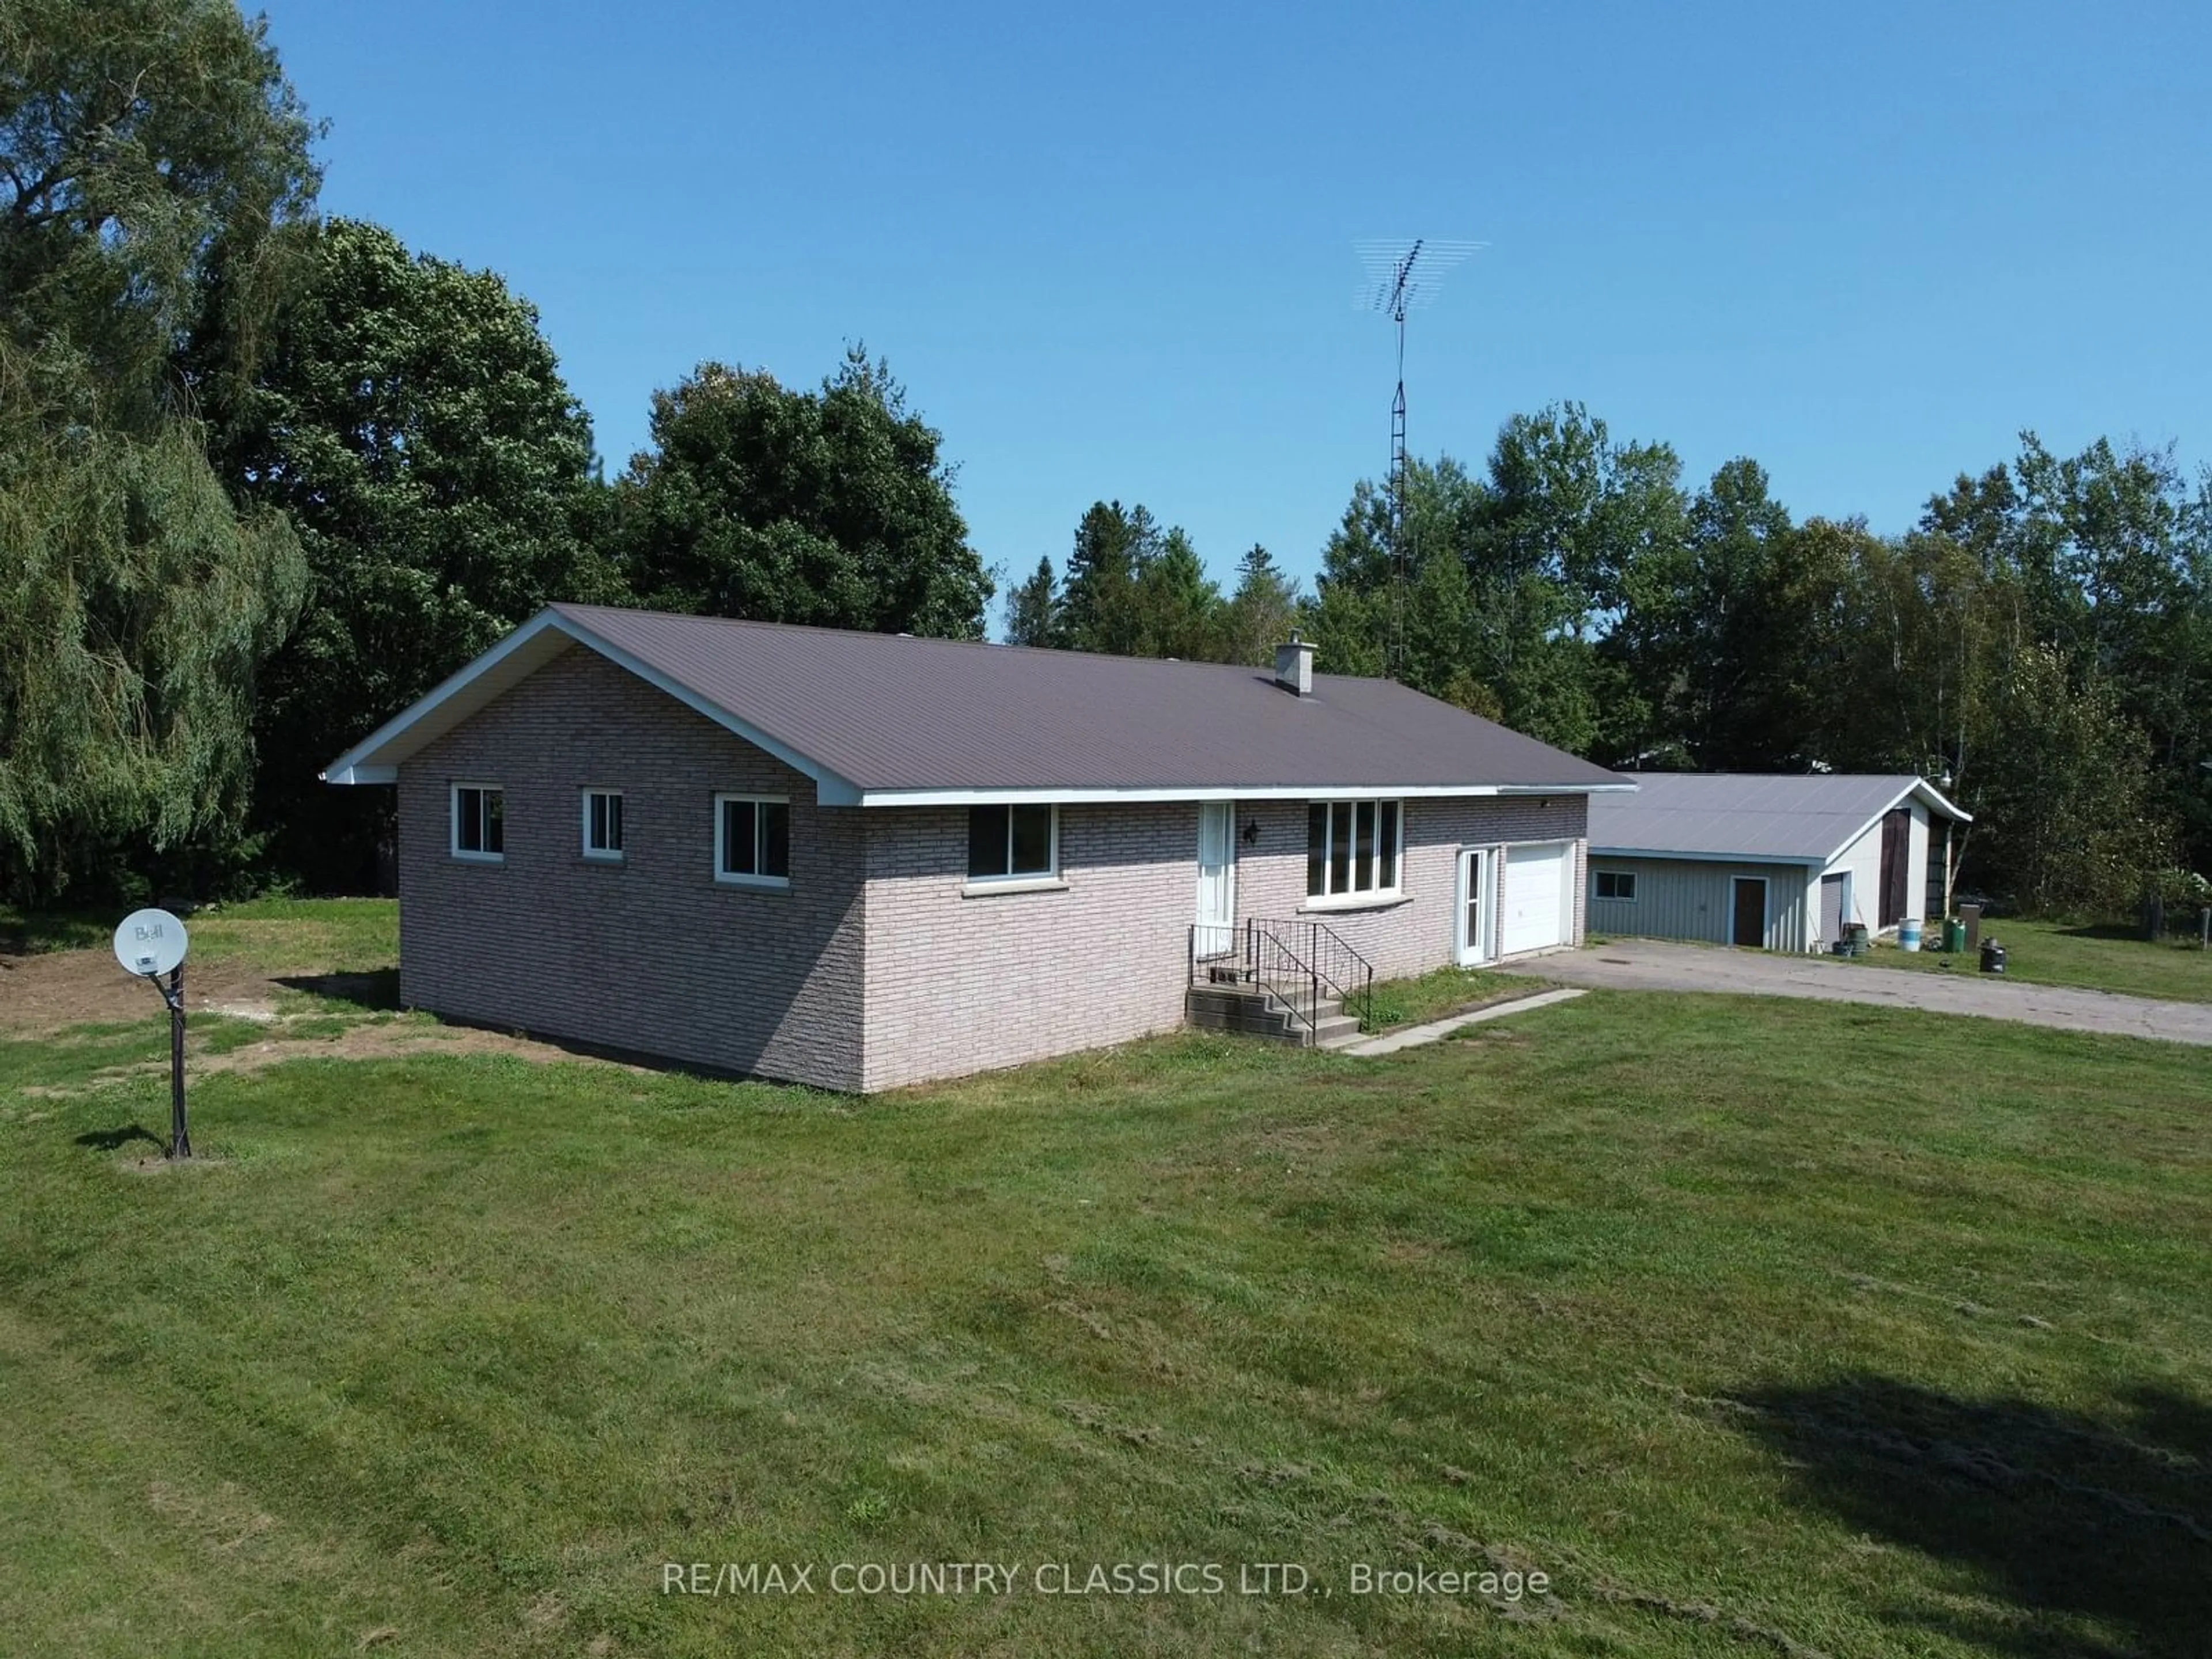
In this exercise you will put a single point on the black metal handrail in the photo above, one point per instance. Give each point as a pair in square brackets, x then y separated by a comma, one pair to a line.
[1297, 962]
[1324, 956]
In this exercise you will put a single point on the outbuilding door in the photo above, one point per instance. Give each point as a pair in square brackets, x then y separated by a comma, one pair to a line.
[1896, 865]
[1216, 878]
[1747, 921]
[1539, 903]
[1831, 907]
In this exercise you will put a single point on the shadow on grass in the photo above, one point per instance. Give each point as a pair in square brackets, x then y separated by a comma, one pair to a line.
[23, 934]
[378, 989]
[114, 1140]
[2095, 1532]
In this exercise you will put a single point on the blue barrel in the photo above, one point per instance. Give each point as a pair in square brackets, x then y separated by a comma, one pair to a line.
[1908, 934]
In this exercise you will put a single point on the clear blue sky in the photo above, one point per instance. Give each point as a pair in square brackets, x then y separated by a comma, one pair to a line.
[1109, 251]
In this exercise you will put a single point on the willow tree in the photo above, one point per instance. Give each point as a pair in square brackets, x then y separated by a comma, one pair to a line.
[135, 606]
[153, 160]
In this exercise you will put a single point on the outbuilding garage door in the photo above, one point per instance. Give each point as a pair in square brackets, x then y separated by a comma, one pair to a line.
[1539, 895]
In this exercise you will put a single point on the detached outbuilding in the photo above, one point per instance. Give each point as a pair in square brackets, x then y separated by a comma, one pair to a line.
[1778, 862]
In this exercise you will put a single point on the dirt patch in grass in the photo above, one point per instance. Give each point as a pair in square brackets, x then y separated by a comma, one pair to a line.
[382, 1041]
[46, 990]
[386, 1041]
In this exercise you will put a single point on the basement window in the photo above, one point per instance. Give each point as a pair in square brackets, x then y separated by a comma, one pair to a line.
[1617, 884]
[753, 840]
[1013, 843]
[1353, 848]
[603, 826]
[479, 822]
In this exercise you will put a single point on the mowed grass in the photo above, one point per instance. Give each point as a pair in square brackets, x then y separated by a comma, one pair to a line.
[2090, 956]
[1443, 991]
[1696, 1305]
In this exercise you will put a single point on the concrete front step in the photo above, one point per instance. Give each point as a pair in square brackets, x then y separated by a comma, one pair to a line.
[1253, 1010]
[1335, 1031]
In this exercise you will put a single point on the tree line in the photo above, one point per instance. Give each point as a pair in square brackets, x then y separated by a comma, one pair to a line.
[266, 477]
[2039, 643]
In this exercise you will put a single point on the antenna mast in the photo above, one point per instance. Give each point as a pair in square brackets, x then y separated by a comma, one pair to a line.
[1403, 276]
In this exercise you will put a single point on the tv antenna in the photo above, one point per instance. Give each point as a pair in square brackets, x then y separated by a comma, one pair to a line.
[1403, 275]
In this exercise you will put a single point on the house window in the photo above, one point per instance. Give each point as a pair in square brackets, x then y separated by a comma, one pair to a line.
[1013, 843]
[1616, 884]
[1353, 848]
[603, 826]
[753, 840]
[479, 822]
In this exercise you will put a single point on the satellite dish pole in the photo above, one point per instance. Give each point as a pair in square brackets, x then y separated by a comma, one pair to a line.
[149, 944]
[1403, 276]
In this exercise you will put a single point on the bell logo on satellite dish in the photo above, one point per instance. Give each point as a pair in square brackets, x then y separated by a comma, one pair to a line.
[150, 942]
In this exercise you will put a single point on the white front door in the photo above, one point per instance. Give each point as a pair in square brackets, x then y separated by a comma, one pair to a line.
[1216, 878]
[1471, 935]
[1538, 911]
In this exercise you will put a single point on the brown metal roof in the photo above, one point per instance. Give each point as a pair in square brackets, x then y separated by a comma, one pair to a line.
[888, 713]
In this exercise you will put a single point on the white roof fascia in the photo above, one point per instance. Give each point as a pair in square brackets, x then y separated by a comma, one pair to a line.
[1917, 786]
[1071, 797]
[357, 765]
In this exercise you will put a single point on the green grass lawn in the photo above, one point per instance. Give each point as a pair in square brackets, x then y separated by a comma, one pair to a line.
[1680, 1301]
[1444, 991]
[278, 935]
[2094, 956]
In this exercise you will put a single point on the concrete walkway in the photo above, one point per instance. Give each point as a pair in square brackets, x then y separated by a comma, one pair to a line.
[1391, 1042]
[1652, 965]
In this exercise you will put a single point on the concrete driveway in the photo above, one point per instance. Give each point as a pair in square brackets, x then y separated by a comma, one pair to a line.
[1652, 965]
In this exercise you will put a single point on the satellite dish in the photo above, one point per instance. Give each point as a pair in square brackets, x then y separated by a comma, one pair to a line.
[150, 942]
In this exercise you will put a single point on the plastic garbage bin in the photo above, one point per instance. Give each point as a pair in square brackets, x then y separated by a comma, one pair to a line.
[1954, 936]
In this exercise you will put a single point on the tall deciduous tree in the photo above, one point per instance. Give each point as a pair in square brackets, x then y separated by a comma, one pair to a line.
[153, 161]
[1509, 576]
[2069, 818]
[411, 419]
[832, 507]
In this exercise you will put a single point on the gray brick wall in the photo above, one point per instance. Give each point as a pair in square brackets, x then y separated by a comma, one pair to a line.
[651, 955]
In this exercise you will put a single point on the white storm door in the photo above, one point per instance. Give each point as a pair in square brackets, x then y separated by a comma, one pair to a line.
[1471, 934]
[1216, 878]
[1537, 896]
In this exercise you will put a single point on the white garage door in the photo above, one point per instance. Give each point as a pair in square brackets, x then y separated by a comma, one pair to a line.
[1538, 892]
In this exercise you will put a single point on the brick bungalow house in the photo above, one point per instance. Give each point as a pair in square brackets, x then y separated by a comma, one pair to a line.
[860, 860]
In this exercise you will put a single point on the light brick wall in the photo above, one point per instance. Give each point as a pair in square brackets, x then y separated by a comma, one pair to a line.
[961, 984]
[651, 955]
[873, 969]
[958, 983]
[1416, 933]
